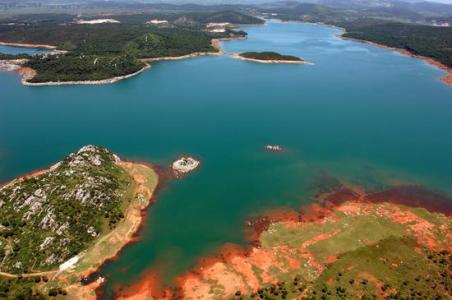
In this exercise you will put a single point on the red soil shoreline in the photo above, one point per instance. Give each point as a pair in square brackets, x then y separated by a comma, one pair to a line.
[412, 196]
[28, 175]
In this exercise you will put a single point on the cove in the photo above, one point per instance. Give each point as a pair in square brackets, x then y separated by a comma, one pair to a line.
[363, 115]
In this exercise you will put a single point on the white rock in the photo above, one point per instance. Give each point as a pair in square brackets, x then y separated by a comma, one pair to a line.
[48, 240]
[185, 165]
[69, 264]
[97, 21]
[274, 148]
[157, 22]
[92, 231]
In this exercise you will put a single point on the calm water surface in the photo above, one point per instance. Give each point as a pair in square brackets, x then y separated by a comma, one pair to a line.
[362, 114]
[21, 50]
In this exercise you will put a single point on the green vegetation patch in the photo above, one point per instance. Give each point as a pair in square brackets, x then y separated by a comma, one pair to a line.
[363, 252]
[21, 288]
[269, 56]
[4, 56]
[104, 51]
[169, 42]
[429, 41]
[74, 67]
[47, 219]
[395, 268]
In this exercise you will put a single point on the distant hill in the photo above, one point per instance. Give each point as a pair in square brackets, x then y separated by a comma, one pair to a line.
[232, 17]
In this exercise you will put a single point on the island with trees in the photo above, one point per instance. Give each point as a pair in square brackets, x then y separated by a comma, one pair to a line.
[59, 225]
[269, 58]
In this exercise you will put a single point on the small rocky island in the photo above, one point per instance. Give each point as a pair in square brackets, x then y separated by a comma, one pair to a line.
[270, 58]
[184, 165]
[64, 222]
[274, 148]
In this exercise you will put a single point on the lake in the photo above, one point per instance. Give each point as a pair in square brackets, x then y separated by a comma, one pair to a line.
[360, 114]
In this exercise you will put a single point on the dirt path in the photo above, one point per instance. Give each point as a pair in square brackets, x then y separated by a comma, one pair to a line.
[45, 273]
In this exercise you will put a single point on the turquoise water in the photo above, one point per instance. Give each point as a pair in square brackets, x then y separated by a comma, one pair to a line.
[20, 50]
[362, 114]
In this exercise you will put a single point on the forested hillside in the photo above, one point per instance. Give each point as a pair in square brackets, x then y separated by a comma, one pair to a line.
[104, 51]
[429, 41]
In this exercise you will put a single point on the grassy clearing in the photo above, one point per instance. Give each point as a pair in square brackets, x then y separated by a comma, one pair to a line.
[391, 269]
[363, 251]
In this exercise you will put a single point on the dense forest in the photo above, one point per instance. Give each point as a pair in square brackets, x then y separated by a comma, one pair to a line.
[22, 288]
[269, 56]
[73, 67]
[103, 51]
[4, 56]
[429, 41]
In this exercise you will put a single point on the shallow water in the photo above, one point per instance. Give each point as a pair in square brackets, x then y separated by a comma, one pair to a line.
[365, 115]
[20, 50]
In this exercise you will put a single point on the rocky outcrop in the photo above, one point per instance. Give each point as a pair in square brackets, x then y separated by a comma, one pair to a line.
[185, 165]
[47, 219]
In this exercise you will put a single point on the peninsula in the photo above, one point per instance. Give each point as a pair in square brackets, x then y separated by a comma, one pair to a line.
[269, 58]
[99, 53]
[59, 225]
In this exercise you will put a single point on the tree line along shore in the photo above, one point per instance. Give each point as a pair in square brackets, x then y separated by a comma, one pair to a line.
[104, 52]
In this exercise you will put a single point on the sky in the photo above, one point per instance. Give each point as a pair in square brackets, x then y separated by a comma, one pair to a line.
[265, 1]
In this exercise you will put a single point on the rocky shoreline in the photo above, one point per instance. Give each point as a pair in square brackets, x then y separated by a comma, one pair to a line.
[11, 65]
